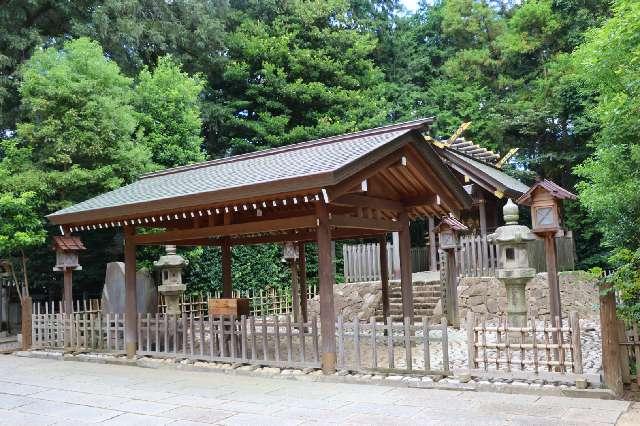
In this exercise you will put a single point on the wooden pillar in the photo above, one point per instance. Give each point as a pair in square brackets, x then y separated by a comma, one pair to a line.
[452, 288]
[325, 275]
[384, 277]
[68, 291]
[295, 290]
[406, 282]
[131, 304]
[395, 254]
[482, 210]
[25, 321]
[611, 365]
[433, 250]
[227, 285]
[302, 278]
[555, 307]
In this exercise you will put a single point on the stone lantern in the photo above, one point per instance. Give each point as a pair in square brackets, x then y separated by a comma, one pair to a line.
[513, 263]
[170, 266]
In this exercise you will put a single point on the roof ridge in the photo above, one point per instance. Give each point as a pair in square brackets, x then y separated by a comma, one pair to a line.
[314, 142]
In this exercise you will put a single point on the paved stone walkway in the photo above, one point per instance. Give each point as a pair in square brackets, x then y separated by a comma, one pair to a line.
[39, 392]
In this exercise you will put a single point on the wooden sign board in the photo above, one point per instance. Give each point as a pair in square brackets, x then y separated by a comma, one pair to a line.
[227, 307]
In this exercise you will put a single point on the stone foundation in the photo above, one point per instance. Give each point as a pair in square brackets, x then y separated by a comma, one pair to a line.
[352, 300]
[486, 295]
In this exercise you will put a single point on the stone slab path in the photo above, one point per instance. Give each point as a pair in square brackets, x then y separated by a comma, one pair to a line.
[43, 392]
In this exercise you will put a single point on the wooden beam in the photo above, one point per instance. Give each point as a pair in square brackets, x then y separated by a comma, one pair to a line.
[368, 202]
[426, 200]
[433, 251]
[298, 222]
[406, 280]
[306, 236]
[131, 304]
[342, 221]
[355, 180]
[325, 278]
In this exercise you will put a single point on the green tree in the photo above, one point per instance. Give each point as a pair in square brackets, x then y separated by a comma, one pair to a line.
[78, 123]
[296, 71]
[21, 230]
[608, 64]
[168, 103]
[24, 27]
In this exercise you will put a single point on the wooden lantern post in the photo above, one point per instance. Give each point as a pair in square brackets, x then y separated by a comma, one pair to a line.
[448, 231]
[290, 255]
[67, 249]
[545, 198]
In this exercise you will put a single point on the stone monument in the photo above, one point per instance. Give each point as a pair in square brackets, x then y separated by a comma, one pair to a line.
[513, 263]
[171, 266]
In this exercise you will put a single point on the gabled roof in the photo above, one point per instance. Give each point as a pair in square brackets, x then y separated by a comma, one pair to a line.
[68, 243]
[304, 166]
[485, 175]
[453, 223]
[549, 186]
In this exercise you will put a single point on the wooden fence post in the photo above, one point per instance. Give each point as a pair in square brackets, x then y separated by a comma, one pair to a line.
[471, 344]
[611, 365]
[26, 317]
[574, 324]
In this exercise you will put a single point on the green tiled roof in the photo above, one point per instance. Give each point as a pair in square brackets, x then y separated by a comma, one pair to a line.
[311, 158]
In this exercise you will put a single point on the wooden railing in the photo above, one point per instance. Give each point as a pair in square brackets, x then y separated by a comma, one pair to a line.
[79, 306]
[537, 347]
[364, 347]
[230, 339]
[78, 331]
[401, 347]
[362, 261]
[477, 257]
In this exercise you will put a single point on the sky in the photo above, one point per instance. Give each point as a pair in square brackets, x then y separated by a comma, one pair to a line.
[411, 5]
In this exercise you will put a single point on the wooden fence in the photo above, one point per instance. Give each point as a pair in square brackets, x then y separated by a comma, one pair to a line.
[537, 347]
[78, 331]
[79, 306]
[362, 261]
[477, 257]
[230, 339]
[365, 347]
[263, 302]
[393, 347]
[629, 339]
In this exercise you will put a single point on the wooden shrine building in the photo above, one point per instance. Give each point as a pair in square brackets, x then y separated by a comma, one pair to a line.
[363, 184]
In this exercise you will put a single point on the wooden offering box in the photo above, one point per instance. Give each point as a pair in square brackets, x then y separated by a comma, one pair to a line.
[228, 307]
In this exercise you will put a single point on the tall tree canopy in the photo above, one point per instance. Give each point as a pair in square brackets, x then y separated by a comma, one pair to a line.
[296, 70]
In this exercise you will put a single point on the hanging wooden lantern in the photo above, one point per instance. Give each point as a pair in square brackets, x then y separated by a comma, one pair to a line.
[290, 251]
[545, 198]
[67, 249]
[448, 231]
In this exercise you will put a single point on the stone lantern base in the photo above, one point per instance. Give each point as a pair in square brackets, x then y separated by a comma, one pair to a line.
[172, 294]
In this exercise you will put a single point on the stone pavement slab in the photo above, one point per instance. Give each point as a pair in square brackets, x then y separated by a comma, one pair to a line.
[47, 392]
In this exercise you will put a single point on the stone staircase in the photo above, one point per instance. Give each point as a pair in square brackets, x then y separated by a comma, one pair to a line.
[426, 295]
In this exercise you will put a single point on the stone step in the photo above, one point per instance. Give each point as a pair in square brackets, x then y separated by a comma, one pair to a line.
[417, 295]
[416, 300]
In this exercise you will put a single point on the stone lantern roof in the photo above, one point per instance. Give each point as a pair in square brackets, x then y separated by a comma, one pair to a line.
[171, 259]
[511, 232]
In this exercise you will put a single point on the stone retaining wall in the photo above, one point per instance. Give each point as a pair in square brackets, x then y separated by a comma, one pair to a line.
[487, 295]
[352, 300]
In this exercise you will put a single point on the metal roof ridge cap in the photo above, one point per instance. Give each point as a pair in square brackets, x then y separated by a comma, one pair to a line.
[314, 142]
